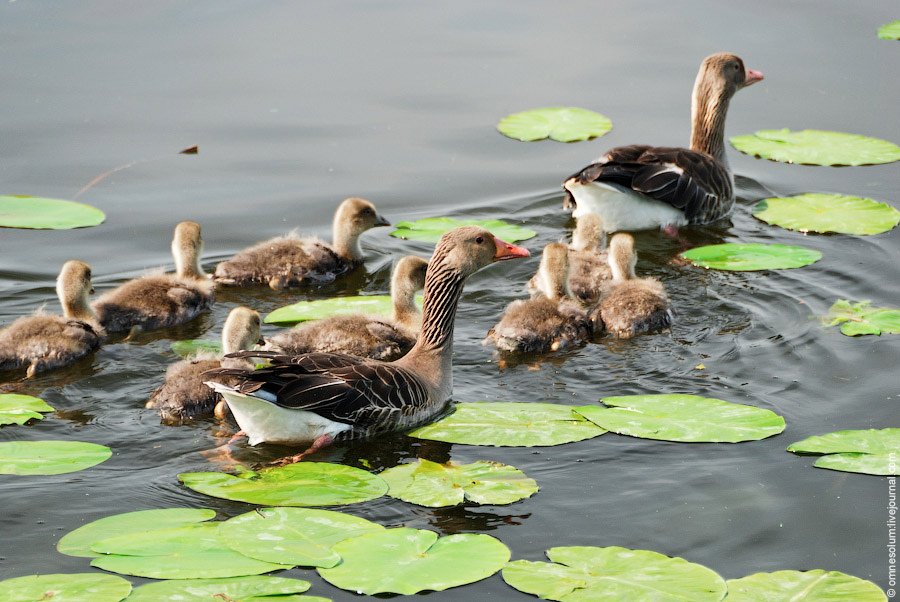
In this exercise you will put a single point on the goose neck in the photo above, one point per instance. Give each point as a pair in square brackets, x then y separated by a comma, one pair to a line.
[709, 106]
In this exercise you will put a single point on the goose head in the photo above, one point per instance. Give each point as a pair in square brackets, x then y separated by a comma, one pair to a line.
[187, 248]
[73, 287]
[353, 217]
[241, 330]
[553, 273]
[622, 258]
[470, 248]
[589, 234]
[724, 74]
[408, 278]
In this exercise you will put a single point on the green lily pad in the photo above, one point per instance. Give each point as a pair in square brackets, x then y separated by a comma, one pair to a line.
[428, 483]
[817, 147]
[407, 561]
[581, 573]
[803, 586]
[300, 484]
[19, 409]
[297, 536]
[192, 347]
[50, 457]
[234, 589]
[869, 451]
[861, 318]
[65, 587]
[563, 124]
[815, 212]
[22, 211]
[890, 31]
[304, 311]
[79, 541]
[685, 418]
[744, 257]
[510, 424]
[186, 552]
[430, 229]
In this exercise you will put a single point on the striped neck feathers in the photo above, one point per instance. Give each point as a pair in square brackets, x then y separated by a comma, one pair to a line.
[443, 288]
[709, 107]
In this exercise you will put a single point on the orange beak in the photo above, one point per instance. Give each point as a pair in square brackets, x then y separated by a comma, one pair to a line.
[506, 250]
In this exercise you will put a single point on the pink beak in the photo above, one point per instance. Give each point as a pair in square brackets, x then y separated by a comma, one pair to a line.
[506, 250]
[752, 77]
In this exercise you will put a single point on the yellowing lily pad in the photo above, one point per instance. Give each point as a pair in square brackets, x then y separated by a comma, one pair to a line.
[235, 589]
[563, 124]
[428, 483]
[861, 318]
[22, 211]
[738, 257]
[304, 311]
[866, 451]
[430, 229]
[815, 212]
[19, 409]
[803, 586]
[192, 347]
[890, 31]
[50, 457]
[817, 147]
[65, 587]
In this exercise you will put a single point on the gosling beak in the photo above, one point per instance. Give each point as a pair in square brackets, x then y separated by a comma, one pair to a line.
[506, 250]
[752, 77]
[380, 221]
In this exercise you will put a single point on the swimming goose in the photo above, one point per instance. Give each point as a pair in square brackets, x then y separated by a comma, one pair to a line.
[549, 321]
[320, 397]
[640, 187]
[630, 305]
[162, 300]
[44, 341]
[183, 396]
[361, 335]
[287, 261]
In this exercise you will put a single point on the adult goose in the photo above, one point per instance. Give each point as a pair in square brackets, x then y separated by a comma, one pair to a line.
[641, 187]
[374, 337]
[290, 260]
[549, 321]
[630, 305]
[320, 397]
[183, 396]
[45, 341]
[162, 300]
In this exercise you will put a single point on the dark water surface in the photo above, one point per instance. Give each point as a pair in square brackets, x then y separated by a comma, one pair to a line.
[298, 105]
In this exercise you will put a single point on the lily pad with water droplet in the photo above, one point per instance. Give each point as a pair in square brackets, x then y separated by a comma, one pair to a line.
[430, 229]
[192, 347]
[817, 147]
[684, 418]
[22, 211]
[581, 573]
[300, 484]
[297, 536]
[803, 586]
[815, 212]
[869, 451]
[428, 483]
[510, 424]
[19, 409]
[304, 311]
[745, 257]
[407, 561]
[50, 457]
[890, 31]
[563, 124]
[235, 589]
[79, 541]
[861, 318]
[65, 587]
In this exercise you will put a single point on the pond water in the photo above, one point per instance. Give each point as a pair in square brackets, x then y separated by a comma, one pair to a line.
[296, 106]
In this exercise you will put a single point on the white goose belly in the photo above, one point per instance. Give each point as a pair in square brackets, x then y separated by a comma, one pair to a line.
[622, 208]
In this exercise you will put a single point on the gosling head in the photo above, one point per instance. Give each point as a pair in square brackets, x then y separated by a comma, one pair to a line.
[241, 330]
[408, 278]
[589, 234]
[187, 248]
[622, 257]
[353, 217]
[73, 287]
[553, 273]
[468, 249]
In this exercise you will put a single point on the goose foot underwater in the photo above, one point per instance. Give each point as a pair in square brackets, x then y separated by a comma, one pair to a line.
[323, 441]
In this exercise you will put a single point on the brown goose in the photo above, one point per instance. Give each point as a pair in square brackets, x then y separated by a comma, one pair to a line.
[641, 187]
[183, 396]
[319, 397]
[362, 335]
[287, 261]
[630, 305]
[549, 321]
[162, 300]
[44, 341]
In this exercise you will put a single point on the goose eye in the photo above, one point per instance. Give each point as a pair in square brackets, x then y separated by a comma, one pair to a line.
[479, 239]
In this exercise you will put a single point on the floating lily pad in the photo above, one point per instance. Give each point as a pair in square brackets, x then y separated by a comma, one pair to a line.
[428, 483]
[803, 586]
[581, 573]
[50, 457]
[300, 484]
[744, 257]
[407, 561]
[685, 418]
[22, 211]
[817, 147]
[186, 552]
[430, 229]
[890, 31]
[869, 451]
[235, 589]
[192, 347]
[297, 536]
[303, 311]
[65, 587]
[79, 541]
[510, 424]
[861, 318]
[563, 124]
[19, 409]
[815, 212]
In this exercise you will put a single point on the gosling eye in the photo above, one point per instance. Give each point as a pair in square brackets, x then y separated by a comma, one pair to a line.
[479, 239]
